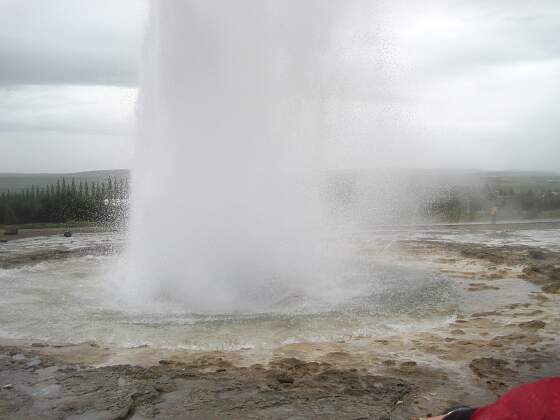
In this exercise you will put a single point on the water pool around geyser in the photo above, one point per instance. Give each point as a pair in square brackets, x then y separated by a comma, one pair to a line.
[77, 300]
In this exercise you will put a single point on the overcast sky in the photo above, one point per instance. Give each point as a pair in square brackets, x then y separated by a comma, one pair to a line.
[68, 83]
[447, 84]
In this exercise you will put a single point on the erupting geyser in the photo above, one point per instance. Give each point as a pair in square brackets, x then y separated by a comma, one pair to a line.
[225, 204]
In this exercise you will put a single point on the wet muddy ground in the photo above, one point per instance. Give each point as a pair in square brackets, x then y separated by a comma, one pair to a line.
[471, 360]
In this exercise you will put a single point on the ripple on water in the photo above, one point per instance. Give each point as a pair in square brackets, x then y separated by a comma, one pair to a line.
[74, 300]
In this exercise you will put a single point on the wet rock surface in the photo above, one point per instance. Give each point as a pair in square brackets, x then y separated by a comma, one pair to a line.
[495, 372]
[539, 266]
[471, 360]
[37, 256]
[532, 325]
[39, 387]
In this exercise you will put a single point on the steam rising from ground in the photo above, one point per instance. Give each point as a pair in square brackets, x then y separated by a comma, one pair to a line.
[226, 188]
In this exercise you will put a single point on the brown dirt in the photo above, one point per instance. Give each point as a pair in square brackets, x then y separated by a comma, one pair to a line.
[36, 386]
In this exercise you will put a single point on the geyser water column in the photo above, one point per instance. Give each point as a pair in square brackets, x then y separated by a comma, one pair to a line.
[225, 185]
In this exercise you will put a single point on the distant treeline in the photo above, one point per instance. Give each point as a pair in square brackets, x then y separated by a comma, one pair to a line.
[66, 201]
[472, 204]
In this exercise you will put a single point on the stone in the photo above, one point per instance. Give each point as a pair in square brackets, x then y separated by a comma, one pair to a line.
[532, 325]
[536, 254]
[284, 378]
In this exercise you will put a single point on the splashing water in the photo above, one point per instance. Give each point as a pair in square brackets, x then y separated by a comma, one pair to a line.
[225, 206]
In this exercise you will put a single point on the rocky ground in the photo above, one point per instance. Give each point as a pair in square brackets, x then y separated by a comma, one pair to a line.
[43, 387]
[472, 360]
[31, 255]
[37, 256]
[34, 232]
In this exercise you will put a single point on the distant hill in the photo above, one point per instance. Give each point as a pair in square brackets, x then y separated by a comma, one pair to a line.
[443, 178]
[18, 182]
[519, 180]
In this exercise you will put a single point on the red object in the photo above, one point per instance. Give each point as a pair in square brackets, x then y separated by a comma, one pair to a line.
[537, 401]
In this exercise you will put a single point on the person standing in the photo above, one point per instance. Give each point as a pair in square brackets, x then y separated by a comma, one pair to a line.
[494, 214]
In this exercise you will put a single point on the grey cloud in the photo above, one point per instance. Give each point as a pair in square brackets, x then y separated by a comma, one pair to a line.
[447, 83]
[497, 33]
[70, 41]
[47, 151]
[82, 109]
